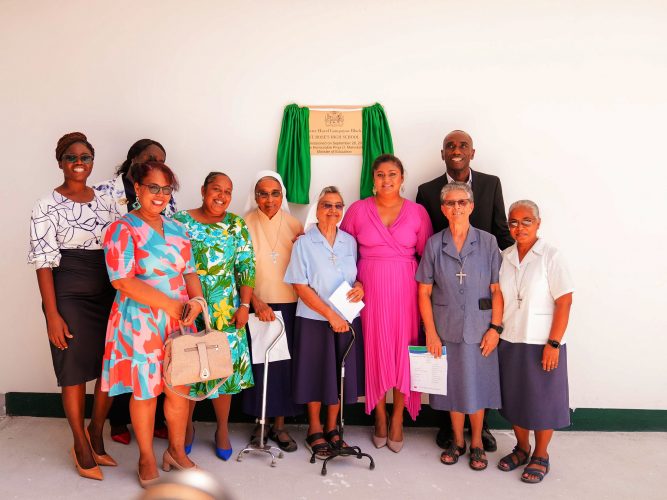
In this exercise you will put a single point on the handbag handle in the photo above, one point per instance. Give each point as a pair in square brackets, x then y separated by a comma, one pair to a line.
[204, 311]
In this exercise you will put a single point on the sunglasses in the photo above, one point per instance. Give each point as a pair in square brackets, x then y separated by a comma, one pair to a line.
[264, 195]
[514, 223]
[155, 189]
[84, 158]
[453, 203]
[330, 206]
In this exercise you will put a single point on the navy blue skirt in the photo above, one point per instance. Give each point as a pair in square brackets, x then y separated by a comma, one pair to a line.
[318, 352]
[279, 399]
[533, 398]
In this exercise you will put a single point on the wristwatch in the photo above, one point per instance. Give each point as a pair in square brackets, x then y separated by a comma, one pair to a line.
[497, 328]
[553, 343]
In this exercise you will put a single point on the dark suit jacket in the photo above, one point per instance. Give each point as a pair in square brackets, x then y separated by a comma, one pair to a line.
[488, 215]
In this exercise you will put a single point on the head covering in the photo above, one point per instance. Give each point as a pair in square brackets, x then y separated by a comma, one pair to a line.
[311, 218]
[251, 204]
[72, 138]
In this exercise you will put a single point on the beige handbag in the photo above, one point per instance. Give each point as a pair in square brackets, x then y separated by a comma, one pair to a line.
[197, 357]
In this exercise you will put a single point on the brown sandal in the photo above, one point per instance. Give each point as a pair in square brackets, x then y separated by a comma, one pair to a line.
[476, 455]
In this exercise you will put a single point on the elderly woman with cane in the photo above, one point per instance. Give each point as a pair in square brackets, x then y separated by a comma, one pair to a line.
[537, 290]
[461, 306]
[321, 260]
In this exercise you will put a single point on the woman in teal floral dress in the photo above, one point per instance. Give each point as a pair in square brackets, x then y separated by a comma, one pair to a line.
[226, 267]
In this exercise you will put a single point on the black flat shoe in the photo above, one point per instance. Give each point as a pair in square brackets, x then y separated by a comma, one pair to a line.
[488, 441]
[288, 446]
[444, 438]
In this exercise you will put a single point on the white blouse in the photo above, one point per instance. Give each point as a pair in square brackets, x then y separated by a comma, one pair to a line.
[529, 290]
[58, 223]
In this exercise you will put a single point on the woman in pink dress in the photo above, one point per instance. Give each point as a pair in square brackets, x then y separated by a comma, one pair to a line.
[390, 231]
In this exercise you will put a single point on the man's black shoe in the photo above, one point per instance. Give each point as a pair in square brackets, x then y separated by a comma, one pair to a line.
[488, 440]
[445, 437]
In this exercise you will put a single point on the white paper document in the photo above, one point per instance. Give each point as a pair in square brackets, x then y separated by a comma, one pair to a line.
[348, 309]
[262, 335]
[427, 373]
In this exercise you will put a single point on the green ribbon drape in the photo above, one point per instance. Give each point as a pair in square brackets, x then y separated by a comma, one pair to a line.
[376, 138]
[293, 163]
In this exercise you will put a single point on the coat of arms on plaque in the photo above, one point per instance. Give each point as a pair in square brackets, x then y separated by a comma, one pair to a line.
[334, 119]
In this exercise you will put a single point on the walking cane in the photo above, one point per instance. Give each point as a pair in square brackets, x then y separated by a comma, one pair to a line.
[262, 447]
[338, 449]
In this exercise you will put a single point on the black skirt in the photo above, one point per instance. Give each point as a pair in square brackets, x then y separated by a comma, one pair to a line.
[279, 399]
[84, 297]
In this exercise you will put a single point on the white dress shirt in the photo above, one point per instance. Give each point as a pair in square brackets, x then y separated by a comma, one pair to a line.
[539, 279]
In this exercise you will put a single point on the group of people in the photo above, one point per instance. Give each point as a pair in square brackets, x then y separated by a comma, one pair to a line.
[119, 269]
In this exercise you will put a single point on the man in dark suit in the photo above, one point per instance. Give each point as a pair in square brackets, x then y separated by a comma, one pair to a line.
[488, 215]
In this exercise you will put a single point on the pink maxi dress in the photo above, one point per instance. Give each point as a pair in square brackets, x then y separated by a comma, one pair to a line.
[387, 265]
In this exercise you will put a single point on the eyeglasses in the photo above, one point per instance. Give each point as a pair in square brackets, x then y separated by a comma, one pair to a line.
[514, 223]
[330, 206]
[264, 195]
[155, 189]
[85, 158]
[452, 203]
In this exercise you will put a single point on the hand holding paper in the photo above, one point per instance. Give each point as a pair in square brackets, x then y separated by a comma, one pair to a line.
[340, 300]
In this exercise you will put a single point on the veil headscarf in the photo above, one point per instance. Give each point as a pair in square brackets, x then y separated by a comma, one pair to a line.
[251, 204]
[311, 218]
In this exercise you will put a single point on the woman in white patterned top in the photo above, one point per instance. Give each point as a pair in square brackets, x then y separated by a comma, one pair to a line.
[121, 190]
[66, 230]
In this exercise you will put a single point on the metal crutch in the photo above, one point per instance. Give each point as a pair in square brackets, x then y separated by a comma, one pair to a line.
[263, 447]
[337, 449]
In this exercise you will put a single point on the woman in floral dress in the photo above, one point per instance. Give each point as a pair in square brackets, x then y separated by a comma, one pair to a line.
[226, 266]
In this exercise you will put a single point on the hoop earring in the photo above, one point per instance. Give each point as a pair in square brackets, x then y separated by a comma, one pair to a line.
[136, 205]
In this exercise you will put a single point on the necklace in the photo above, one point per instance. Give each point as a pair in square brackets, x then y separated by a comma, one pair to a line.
[460, 275]
[273, 254]
[518, 283]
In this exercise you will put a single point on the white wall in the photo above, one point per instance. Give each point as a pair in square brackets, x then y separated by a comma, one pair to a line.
[565, 101]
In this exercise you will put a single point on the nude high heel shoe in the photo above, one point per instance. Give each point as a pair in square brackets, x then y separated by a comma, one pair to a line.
[168, 462]
[145, 483]
[378, 442]
[92, 473]
[394, 446]
[100, 459]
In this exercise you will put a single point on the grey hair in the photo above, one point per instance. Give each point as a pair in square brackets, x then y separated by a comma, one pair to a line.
[528, 204]
[455, 186]
[330, 190]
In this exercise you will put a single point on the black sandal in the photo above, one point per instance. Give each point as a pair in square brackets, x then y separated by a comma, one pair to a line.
[532, 471]
[288, 446]
[334, 443]
[476, 456]
[453, 452]
[517, 458]
[321, 451]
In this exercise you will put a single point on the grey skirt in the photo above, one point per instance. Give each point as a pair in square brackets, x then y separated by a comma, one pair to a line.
[472, 380]
[533, 398]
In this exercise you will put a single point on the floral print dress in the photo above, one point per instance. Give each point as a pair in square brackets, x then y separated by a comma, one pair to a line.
[134, 348]
[225, 261]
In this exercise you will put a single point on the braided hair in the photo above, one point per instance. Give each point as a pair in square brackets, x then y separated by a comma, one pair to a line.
[72, 138]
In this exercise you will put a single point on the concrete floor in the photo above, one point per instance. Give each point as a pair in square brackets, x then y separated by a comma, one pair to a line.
[34, 463]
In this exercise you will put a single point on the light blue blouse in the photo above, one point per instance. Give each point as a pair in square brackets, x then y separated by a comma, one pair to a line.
[312, 264]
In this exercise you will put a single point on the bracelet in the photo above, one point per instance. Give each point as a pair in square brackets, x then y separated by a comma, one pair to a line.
[244, 304]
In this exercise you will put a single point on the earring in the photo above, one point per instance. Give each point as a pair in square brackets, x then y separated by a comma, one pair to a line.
[136, 205]
[375, 191]
[402, 188]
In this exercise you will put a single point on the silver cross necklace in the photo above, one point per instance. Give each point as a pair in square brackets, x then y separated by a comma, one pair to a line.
[460, 275]
[518, 282]
[273, 254]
